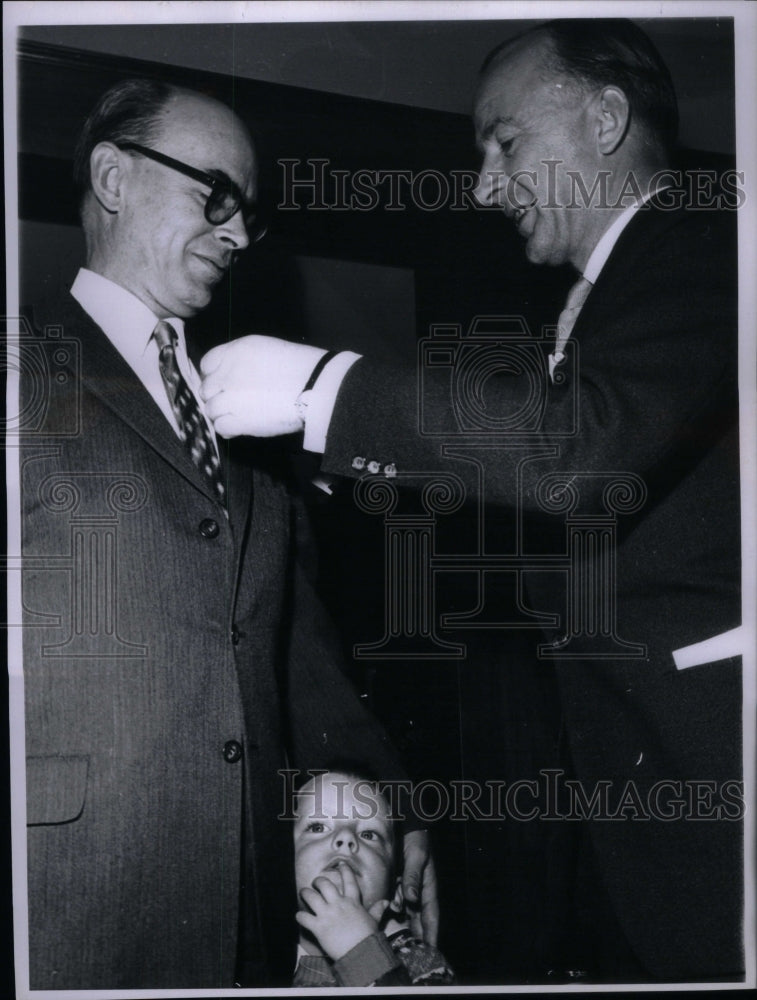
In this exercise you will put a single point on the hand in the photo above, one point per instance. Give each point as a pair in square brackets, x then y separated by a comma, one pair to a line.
[419, 887]
[250, 385]
[338, 920]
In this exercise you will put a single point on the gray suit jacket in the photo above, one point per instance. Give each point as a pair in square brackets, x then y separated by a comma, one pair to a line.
[172, 657]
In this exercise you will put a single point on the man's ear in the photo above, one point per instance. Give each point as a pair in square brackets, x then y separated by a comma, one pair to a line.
[106, 165]
[614, 115]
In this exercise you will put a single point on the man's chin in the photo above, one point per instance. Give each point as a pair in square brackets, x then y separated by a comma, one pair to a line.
[536, 253]
[194, 303]
[534, 257]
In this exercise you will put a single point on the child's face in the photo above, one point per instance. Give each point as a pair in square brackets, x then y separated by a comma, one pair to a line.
[343, 820]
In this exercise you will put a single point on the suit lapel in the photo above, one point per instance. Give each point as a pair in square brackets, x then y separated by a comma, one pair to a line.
[643, 228]
[105, 374]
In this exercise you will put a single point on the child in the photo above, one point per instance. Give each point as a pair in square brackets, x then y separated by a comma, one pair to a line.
[352, 928]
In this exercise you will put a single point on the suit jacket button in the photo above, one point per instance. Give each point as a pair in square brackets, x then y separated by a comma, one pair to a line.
[232, 751]
[358, 462]
[373, 467]
[209, 528]
[235, 634]
[390, 470]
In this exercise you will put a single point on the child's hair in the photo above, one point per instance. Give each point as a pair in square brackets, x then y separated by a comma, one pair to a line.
[357, 770]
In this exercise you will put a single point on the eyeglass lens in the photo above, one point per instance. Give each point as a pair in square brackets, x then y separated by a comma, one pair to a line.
[223, 203]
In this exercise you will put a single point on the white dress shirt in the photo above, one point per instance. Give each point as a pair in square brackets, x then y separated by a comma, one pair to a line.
[129, 324]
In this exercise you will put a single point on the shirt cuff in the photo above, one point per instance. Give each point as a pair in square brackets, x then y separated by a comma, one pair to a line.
[370, 959]
[717, 647]
[322, 398]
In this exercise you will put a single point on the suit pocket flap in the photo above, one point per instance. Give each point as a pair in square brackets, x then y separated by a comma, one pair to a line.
[55, 789]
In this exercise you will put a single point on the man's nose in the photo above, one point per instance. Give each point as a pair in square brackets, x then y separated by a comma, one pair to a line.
[344, 840]
[490, 179]
[234, 231]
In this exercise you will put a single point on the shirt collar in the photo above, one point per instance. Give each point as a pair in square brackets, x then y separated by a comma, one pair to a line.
[125, 320]
[609, 238]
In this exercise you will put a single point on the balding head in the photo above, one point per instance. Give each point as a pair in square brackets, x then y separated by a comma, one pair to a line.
[597, 52]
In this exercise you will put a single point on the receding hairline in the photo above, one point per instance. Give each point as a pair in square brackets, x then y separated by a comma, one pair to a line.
[588, 54]
[197, 97]
[537, 38]
[545, 67]
[547, 64]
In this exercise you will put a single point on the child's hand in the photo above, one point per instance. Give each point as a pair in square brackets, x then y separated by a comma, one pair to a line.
[339, 920]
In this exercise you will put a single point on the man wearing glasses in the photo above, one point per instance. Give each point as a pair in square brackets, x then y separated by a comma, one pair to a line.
[162, 677]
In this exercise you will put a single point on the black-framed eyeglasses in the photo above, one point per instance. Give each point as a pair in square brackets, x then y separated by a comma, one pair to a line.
[225, 198]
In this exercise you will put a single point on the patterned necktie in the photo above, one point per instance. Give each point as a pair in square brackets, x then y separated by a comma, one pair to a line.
[566, 321]
[193, 430]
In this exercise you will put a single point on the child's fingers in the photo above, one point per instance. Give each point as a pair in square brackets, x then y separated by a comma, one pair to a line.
[326, 888]
[351, 888]
[311, 898]
[320, 894]
[306, 920]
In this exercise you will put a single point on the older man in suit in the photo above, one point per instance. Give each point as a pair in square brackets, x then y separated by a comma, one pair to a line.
[575, 121]
[173, 652]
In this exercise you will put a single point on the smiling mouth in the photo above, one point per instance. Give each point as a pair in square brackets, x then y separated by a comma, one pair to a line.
[520, 212]
[519, 220]
[218, 269]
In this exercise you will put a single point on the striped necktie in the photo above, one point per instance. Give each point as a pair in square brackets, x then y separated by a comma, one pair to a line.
[193, 429]
[567, 319]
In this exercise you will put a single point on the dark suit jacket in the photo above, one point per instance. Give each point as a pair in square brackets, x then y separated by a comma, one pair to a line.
[172, 657]
[656, 395]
